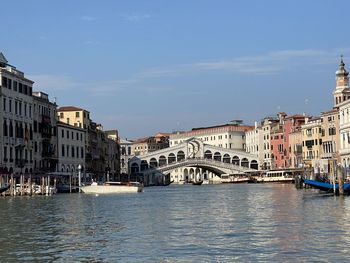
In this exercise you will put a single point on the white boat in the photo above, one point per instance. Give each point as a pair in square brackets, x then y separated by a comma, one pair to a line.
[275, 177]
[205, 181]
[112, 188]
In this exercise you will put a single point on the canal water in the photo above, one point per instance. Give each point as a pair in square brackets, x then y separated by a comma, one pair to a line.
[208, 223]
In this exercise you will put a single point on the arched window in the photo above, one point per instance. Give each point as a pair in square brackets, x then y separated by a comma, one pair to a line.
[162, 160]
[144, 165]
[226, 158]
[180, 156]
[171, 158]
[235, 160]
[254, 165]
[208, 155]
[245, 162]
[217, 156]
[134, 168]
[153, 163]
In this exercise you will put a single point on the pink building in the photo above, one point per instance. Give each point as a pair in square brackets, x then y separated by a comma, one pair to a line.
[280, 146]
[290, 123]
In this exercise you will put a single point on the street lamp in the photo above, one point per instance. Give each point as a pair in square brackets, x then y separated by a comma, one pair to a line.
[79, 176]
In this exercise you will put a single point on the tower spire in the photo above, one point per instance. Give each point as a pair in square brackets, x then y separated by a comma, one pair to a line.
[342, 91]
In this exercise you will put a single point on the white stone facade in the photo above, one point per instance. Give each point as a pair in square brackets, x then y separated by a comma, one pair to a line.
[255, 143]
[71, 148]
[16, 136]
[344, 151]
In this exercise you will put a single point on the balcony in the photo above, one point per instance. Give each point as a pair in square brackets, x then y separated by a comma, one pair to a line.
[344, 151]
[327, 155]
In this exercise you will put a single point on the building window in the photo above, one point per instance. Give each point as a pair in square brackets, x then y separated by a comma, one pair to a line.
[61, 115]
[62, 150]
[77, 114]
[4, 104]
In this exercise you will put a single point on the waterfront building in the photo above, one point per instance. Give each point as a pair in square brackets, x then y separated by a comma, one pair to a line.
[16, 117]
[290, 123]
[330, 140]
[228, 136]
[296, 147]
[71, 149]
[126, 153]
[342, 91]
[254, 142]
[312, 144]
[231, 135]
[45, 134]
[150, 144]
[341, 99]
[280, 148]
[268, 125]
[278, 152]
[74, 116]
[97, 158]
[113, 155]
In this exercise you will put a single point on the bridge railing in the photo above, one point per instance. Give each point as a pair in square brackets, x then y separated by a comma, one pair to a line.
[195, 162]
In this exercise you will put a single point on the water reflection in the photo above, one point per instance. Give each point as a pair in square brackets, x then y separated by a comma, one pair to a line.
[211, 223]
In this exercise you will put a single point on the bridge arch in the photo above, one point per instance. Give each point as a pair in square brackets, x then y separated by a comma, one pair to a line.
[162, 160]
[254, 165]
[171, 158]
[235, 160]
[245, 162]
[226, 158]
[208, 154]
[144, 165]
[153, 162]
[180, 156]
[217, 156]
[134, 168]
[185, 174]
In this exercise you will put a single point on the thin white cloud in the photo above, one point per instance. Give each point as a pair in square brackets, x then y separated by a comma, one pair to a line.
[270, 63]
[48, 82]
[88, 18]
[135, 18]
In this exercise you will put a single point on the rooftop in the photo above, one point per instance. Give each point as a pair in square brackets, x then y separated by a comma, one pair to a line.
[70, 108]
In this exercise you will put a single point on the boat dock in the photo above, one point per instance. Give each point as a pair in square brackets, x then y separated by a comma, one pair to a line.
[29, 185]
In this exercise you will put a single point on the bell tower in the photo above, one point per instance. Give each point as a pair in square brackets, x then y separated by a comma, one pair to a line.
[342, 91]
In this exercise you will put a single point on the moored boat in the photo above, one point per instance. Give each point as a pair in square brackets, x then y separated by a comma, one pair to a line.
[278, 176]
[4, 188]
[197, 182]
[113, 188]
[328, 187]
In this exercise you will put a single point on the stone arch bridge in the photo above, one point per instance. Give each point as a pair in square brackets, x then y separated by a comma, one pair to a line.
[194, 153]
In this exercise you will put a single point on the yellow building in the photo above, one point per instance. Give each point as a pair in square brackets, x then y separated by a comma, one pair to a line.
[312, 143]
[330, 140]
[74, 116]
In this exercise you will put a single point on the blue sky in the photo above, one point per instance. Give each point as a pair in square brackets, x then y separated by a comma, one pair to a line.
[144, 67]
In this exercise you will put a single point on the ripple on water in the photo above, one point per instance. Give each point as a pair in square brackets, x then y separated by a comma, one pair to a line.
[211, 223]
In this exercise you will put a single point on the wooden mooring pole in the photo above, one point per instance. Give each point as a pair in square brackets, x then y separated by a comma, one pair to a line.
[340, 175]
